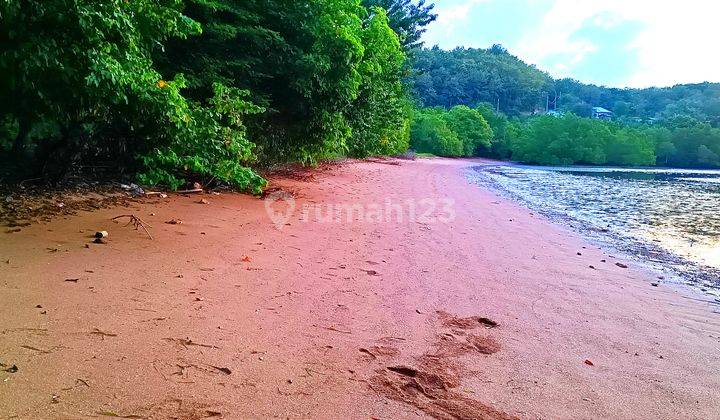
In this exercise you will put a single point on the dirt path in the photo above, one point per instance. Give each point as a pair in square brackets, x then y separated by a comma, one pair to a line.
[491, 315]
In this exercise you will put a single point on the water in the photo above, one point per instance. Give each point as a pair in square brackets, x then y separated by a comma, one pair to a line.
[666, 218]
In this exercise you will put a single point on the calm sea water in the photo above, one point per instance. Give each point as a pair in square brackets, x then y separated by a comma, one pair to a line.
[667, 218]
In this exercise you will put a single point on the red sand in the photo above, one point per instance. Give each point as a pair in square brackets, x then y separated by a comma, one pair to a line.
[184, 326]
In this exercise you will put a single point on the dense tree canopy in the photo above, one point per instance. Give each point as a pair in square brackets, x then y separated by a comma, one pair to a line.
[471, 76]
[301, 60]
[569, 140]
[461, 131]
[698, 101]
[82, 83]
[430, 134]
[379, 116]
[504, 132]
[563, 140]
[471, 128]
[689, 145]
[175, 89]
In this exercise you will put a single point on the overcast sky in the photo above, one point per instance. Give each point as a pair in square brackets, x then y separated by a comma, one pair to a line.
[633, 43]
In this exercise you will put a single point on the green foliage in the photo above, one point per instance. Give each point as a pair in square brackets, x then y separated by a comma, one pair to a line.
[630, 147]
[210, 143]
[327, 71]
[569, 139]
[707, 157]
[379, 117]
[86, 87]
[429, 133]
[407, 18]
[471, 128]
[471, 76]
[175, 90]
[681, 121]
[85, 67]
[699, 102]
[690, 145]
[87, 84]
[461, 131]
[505, 132]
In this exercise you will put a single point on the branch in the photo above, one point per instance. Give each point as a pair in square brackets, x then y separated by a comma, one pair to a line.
[135, 221]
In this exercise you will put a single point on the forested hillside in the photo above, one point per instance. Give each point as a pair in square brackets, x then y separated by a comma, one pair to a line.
[472, 76]
[673, 126]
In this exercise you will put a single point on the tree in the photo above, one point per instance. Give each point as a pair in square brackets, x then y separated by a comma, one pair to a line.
[472, 76]
[300, 60]
[379, 117]
[505, 132]
[570, 139]
[407, 18]
[630, 147]
[78, 70]
[471, 129]
[707, 157]
[693, 144]
[84, 86]
[429, 133]
[664, 147]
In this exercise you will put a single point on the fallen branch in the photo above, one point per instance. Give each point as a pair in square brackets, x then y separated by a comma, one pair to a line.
[135, 221]
[36, 349]
[337, 330]
[193, 191]
[102, 334]
[186, 342]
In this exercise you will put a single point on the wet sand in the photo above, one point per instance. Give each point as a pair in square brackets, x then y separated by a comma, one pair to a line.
[495, 314]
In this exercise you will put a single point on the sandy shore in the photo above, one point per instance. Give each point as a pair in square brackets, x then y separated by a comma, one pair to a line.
[494, 314]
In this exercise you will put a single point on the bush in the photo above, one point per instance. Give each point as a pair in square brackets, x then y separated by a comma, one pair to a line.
[471, 128]
[461, 131]
[567, 140]
[86, 88]
[211, 142]
[431, 134]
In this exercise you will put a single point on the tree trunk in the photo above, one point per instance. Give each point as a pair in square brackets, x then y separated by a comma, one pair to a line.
[18, 148]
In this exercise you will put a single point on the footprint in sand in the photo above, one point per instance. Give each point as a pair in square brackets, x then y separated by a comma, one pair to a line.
[375, 352]
[468, 323]
[430, 384]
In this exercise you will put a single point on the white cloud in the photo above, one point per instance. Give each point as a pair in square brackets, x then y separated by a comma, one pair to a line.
[607, 20]
[450, 16]
[678, 44]
[675, 44]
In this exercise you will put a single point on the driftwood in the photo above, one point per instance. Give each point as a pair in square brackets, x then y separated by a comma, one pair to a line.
[194, 190]
[135, 221]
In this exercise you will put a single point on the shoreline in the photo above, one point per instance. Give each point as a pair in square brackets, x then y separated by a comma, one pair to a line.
[225, 313]
[697, 277]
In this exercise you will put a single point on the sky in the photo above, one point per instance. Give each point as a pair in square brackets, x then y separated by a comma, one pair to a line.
[618, 43]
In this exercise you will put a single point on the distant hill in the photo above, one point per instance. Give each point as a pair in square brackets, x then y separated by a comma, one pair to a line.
[469, 76]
